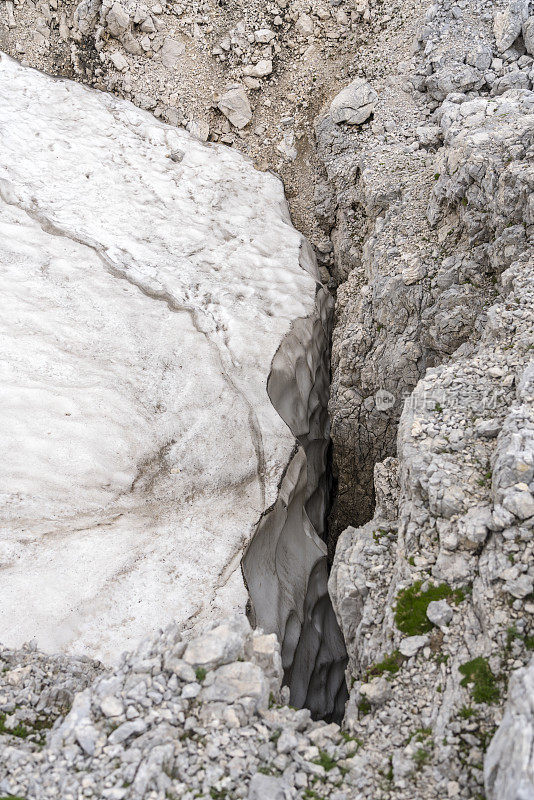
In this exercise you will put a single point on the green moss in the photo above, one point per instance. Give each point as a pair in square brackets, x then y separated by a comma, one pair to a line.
[378, 534]
[422, 733]
[391, 663]
[421, 756]
[412, 603]
[478, 675]
[200, 673]
[511, 635]
[218, 794]
[266, 770]
[20, 730]
[275, 736]
[349, 738]
[364, 707]
[388, 773]
[466, 712]
[325, 761]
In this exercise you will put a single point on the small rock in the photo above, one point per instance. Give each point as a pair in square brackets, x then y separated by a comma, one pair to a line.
[521, 504]
[118, 61]
[191, 690]
[267, 787]
[520, 587]
[127, 729]
[412, 644]
[488, 428]
[199, 129]
[439, 612]
[287, 742]
[376, 691]
[264, 35]
[117, 20]
[259, 70]
[171, 52]
[111, 706]
[304, 25]
[235, 106]
[86, 736]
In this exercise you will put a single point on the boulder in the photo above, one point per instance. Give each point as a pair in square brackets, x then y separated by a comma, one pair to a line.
[219, 646]
[237, 681]
[354, 104]
[507, 24]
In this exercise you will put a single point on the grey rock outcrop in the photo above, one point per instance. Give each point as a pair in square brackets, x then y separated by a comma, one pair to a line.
[509, 763]
[432, 382]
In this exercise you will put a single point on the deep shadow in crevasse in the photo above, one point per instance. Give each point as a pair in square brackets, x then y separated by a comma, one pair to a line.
[285, 567]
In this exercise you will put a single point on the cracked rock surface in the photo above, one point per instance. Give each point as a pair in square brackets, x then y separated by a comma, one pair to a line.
[430, 213]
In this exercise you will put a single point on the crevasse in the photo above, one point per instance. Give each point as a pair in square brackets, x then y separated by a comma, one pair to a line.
[285, 566]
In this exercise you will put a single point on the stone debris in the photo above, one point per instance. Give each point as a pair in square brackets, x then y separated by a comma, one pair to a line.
[155, 727]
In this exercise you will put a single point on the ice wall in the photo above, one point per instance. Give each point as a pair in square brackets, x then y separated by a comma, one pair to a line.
[285, 566]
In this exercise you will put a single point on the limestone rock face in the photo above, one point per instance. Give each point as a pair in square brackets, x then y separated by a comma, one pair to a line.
[429, 211]
[147, 293]
[509, 764]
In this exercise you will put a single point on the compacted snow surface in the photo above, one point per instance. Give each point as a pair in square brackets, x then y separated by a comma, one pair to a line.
[147, 282]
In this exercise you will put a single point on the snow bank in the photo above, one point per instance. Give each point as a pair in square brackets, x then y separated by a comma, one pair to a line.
[148, 281]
